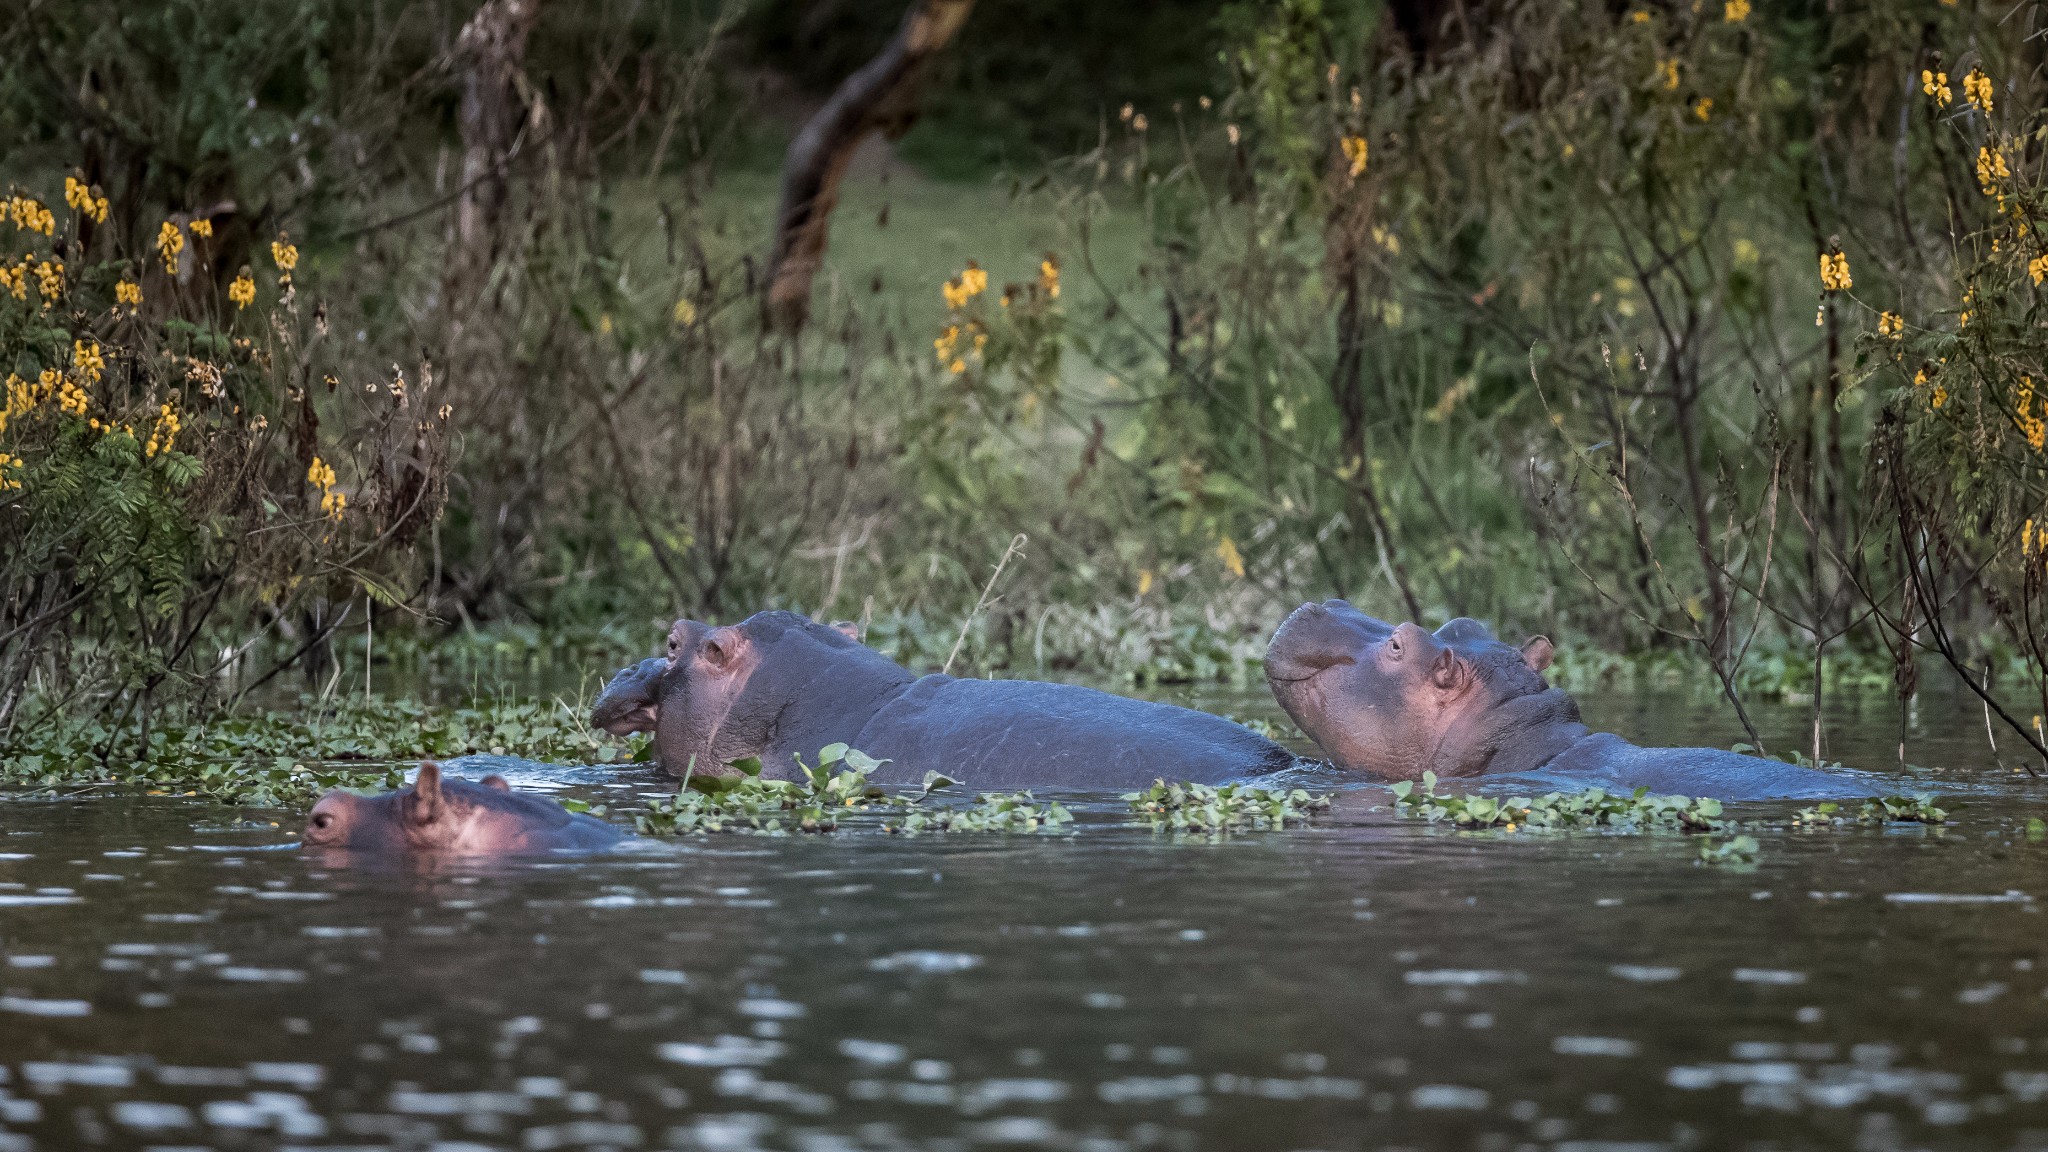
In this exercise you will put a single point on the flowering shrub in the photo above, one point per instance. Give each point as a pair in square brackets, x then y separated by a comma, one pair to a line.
[162, 459]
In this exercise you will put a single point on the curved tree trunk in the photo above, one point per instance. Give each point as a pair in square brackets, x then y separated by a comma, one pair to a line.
[882, 95]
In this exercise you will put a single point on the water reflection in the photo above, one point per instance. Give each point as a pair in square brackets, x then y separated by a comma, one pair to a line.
[173, 979]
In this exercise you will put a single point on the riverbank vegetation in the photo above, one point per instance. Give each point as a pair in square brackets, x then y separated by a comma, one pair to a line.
[342, 337]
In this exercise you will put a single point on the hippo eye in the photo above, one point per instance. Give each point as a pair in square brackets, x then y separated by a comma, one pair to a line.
[324, 820]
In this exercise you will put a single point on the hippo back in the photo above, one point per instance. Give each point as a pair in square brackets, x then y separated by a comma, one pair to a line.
[1609, 762]
[1007, 734]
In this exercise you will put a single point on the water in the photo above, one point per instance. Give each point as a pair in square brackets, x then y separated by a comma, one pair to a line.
[172, 978]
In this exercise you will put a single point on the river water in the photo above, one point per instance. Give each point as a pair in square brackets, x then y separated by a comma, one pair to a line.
[175, 976]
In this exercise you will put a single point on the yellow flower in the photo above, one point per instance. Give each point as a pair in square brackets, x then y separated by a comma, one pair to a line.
[1991, 168]
[29, 215]
[1355, 151]
[1668, 69]
[1736, 12]
[1977, 90]
[285, 254]
[1226, 551]
[87, 358]
[1703, 108]
[685, 312]
[1891, 324]
[202, 228]
[10, 472]
[1640, 16]
[943, 346]
[128, 292]
[14, 281]
[170, 241]
[72, 399]
[2038, 268]
[49, 280]
[1935, 84]
[333, 504]
[971, 282]
[1834, 272]
[167, 427]
[243, 290]
[320, 475]
[1144, 581]
[1049, 276]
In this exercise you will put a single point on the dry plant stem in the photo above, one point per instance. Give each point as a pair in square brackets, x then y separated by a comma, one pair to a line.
[881, 95]
[1017, 543]
[1618, 481]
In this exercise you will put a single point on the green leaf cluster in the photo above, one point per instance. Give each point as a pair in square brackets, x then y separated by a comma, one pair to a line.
[1557, 811]
[287, 757]
[1918, 808]
[1202, 808]
[990, 812]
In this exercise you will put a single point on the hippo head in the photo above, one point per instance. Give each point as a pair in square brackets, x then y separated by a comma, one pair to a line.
[727, 690]
[437, 815]
[1396, 701]
[631, 700]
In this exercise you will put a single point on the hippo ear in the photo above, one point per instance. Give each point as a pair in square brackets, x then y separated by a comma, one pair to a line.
[1537, 652]
[1449, 671]
[722, 648]
[426, 802]
[848, 629]
[495, 781]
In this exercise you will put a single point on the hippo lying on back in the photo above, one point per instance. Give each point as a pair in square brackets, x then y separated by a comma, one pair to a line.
[452, 816]
[1396, 701]
[780, 686]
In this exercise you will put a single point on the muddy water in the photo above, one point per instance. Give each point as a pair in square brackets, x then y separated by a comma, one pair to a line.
[170, 978]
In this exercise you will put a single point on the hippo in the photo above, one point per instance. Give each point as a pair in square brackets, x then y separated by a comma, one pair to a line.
[779, 686]
[453, 816]
[630, 700]
[1395, 701]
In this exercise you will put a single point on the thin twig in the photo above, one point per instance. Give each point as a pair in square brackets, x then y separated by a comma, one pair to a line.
[1017, 543]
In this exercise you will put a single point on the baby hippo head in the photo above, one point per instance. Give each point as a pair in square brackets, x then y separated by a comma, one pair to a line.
[1394, 700]
[440, 815]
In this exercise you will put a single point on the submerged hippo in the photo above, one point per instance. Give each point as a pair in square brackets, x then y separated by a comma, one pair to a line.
[780, 686]
[452, 816]
[1396, 701]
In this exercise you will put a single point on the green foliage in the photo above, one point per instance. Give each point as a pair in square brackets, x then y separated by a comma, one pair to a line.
[990, 812]
[836, 786]
[1736, 851]
[1202, 808]
[1554, 811]
[742, 800]
[1918, 808]
[288, 757]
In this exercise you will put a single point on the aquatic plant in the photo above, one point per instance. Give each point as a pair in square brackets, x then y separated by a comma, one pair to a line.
[1557, 811]
[1168, 807]
[1918, 808]
[1734, 851]
[838, 782]
[990, 812]
[835, 785]
[287, 757]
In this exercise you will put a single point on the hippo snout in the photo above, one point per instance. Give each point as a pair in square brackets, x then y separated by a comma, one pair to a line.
[1319, 636]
